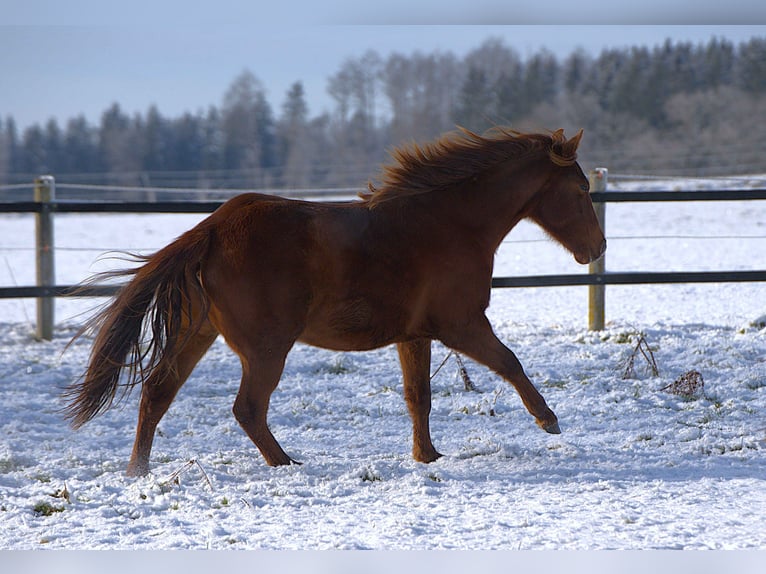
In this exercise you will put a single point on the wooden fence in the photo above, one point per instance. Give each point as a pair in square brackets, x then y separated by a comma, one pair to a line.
[45, 206]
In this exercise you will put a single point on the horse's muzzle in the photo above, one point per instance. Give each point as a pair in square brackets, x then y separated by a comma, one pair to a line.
[584, 258]
[602, 250]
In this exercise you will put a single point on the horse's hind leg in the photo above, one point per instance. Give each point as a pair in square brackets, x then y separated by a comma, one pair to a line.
[159, 390]
[260, 375]
[415, 358]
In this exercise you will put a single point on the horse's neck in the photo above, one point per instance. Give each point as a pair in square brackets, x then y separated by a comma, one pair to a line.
[490, 205]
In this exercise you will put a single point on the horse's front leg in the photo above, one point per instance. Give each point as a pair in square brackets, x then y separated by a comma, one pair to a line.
[415, 358]
[478, 341]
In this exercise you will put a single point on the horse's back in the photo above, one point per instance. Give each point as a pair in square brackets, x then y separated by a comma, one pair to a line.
[279, 263]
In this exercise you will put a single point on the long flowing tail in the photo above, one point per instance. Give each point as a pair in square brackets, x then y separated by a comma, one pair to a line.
[139, 331]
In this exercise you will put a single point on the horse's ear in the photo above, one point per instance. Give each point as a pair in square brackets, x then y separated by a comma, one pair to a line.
[574, 142]
[563, 151]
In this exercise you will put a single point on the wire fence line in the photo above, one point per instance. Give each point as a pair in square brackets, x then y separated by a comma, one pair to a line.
[15, 186]
[610, 238]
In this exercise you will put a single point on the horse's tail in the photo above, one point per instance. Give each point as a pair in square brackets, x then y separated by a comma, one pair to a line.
[140, 331]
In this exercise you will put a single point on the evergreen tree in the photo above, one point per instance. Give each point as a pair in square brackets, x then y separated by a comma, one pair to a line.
[293, 136]
[188, 144]
[717, 65]
[14, 153]
[154, 141]
[118, 146]
[476, 102]
[5, 154]
[603, 75]
[80, 150]
[264, 118]
[575, 71]
[34, 151]
[510, 105]
[541, 79]
[54, 147]
[751, 73]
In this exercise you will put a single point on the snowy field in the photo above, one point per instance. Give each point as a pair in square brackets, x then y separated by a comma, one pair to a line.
[636, 466]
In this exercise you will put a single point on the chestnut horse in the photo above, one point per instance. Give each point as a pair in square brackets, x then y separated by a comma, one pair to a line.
[408, 263]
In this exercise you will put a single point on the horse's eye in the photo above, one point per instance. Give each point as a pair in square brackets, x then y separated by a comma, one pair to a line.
[585, 187]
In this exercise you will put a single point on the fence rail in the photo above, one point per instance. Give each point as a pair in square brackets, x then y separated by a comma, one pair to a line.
[570, 280]
[45, 206]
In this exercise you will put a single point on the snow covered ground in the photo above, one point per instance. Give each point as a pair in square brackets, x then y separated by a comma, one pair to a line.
[636, 466]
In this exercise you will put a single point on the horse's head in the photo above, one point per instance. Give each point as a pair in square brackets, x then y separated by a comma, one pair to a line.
[564, 208]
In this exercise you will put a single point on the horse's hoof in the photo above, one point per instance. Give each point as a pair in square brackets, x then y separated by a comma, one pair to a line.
[552, 428]
[426, 456]
[136, 471]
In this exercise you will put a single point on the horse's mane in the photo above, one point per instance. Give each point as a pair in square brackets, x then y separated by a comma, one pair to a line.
[460, 155]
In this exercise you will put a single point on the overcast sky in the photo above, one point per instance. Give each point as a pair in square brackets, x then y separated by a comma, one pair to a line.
[60, 59]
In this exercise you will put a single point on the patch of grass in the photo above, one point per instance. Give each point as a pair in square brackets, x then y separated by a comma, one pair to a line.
[754, 385]
[759, 323]
[47, 509]
[554, 384]
[337, 367]
[721, 449]
[8, 465]
[383, 390]
[370, 476]
[622, 338]
[710, 416]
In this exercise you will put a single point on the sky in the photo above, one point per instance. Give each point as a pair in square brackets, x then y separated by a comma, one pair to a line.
[62, 59]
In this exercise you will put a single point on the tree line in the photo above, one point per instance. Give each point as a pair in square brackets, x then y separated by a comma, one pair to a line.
[676, 108]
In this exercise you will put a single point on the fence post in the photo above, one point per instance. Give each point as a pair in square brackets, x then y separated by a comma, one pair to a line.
[597, 293]
[45, 192]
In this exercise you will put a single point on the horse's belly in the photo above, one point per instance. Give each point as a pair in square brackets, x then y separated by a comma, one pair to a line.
[338, 341]
[353, 325]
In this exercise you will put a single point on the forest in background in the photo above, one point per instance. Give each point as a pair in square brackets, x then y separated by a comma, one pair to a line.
[674, 109]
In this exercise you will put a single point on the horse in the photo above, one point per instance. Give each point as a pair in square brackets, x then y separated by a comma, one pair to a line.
[408, 262]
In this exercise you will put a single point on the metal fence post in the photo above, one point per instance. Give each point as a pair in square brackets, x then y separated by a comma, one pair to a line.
[597, 293]
[45, 192]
